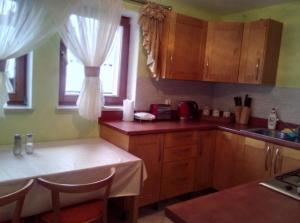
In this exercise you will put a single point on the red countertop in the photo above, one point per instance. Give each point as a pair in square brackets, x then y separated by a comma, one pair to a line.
[250, 203]
[140, 128]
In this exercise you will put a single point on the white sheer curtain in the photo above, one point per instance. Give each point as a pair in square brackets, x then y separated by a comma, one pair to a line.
[89, 33]
[23, 25]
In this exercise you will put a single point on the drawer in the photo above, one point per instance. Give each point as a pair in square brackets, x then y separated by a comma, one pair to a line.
[180, 153]
[152, 139]
[181, 138]
[176, 186]
[179, 169]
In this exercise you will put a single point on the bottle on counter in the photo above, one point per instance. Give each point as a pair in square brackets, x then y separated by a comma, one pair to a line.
[272, 120]
[29, 144]
[17, 149]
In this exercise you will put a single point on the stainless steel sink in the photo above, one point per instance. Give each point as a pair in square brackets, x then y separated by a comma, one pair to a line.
[273, 133]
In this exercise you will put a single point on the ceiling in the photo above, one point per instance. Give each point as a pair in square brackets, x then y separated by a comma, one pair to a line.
[229, 6]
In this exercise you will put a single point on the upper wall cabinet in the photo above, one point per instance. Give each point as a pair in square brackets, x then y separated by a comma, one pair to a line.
[223, 49]
[260, 52]
[182, 47]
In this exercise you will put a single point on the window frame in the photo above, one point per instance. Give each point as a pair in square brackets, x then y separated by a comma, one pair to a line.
[19, 96]
[70, 100]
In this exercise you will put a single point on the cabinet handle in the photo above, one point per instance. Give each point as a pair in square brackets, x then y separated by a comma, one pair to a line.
[181, 165]
[257, 68]
[160, 151]
[267, 158]
[207, 65]
[200, 147]
[276, 161]
[180, 151]
[171, 59]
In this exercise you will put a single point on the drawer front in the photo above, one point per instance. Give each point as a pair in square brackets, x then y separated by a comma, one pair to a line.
[153, 139]
[176, 186]
[179, 169]
[180, 138]
[180, 153]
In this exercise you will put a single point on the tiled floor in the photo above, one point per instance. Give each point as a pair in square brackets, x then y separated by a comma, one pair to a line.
[151, 214]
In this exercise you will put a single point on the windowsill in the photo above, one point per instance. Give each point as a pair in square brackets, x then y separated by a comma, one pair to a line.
[18, 108]
[75, 108]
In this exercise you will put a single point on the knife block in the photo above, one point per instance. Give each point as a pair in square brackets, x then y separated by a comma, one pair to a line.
[237, 113]
[245, 115]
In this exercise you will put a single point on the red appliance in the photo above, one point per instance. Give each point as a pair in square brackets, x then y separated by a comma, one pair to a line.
[188, 110]
[161, 111]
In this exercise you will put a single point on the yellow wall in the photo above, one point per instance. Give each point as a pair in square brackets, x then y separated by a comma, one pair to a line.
[288, 74]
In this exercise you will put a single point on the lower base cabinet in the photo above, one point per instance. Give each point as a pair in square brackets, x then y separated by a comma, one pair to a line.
[187, 161]
[205, 160]
[179, 162]
[149, 149]
[285, 159]
[228, 160]
[176, 162]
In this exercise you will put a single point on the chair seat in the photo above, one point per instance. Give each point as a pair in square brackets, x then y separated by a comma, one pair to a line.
[77, 213]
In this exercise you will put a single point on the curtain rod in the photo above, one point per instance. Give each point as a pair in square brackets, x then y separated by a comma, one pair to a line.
[145, 1]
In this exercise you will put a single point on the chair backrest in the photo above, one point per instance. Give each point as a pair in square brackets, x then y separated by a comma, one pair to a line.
[18, 197]
[57, 188]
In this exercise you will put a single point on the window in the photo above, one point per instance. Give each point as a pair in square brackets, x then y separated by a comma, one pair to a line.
[17, 70]
[113, 72]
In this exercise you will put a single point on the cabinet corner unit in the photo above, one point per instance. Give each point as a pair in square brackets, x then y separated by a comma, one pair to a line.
[260, 52]
[182, 47]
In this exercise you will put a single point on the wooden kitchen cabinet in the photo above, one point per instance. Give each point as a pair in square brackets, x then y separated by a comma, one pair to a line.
[205, 159]
[149, 149]
[179, 163]
[287, 159]
[182, 47]
[228, 160]
[257, 160]
[263, 160]
[223, 49]
[260, 52]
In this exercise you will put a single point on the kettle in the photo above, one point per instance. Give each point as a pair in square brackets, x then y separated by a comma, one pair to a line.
[188, 110]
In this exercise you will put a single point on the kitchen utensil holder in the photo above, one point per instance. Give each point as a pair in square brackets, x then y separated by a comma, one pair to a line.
[245, 115]
[237, 113]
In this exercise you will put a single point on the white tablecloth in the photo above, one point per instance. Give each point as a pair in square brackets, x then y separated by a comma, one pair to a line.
[77, 161]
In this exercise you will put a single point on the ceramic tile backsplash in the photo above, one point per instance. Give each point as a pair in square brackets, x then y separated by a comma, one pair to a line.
[285, 100]
[150, 91]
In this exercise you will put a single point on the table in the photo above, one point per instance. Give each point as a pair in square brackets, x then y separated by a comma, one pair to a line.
[76, 161]
[249, 203]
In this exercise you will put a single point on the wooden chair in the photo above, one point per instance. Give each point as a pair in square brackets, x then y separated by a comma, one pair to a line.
[93, 211]
[18, 197]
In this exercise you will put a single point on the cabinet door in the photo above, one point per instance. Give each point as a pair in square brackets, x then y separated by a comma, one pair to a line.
[228, 160]
[257, 160]
[223, 47]
[177, 178]
[185, 44]
[205, 159]
[149, 149]
[253, 52]
[286, 159]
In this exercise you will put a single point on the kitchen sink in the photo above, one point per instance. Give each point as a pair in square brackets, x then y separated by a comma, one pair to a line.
[274, 133]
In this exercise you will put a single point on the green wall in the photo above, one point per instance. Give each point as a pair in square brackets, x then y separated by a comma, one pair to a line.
[288, 74]
[45, 122]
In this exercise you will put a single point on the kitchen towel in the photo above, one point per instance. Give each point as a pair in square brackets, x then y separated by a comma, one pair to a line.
[128, 110]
